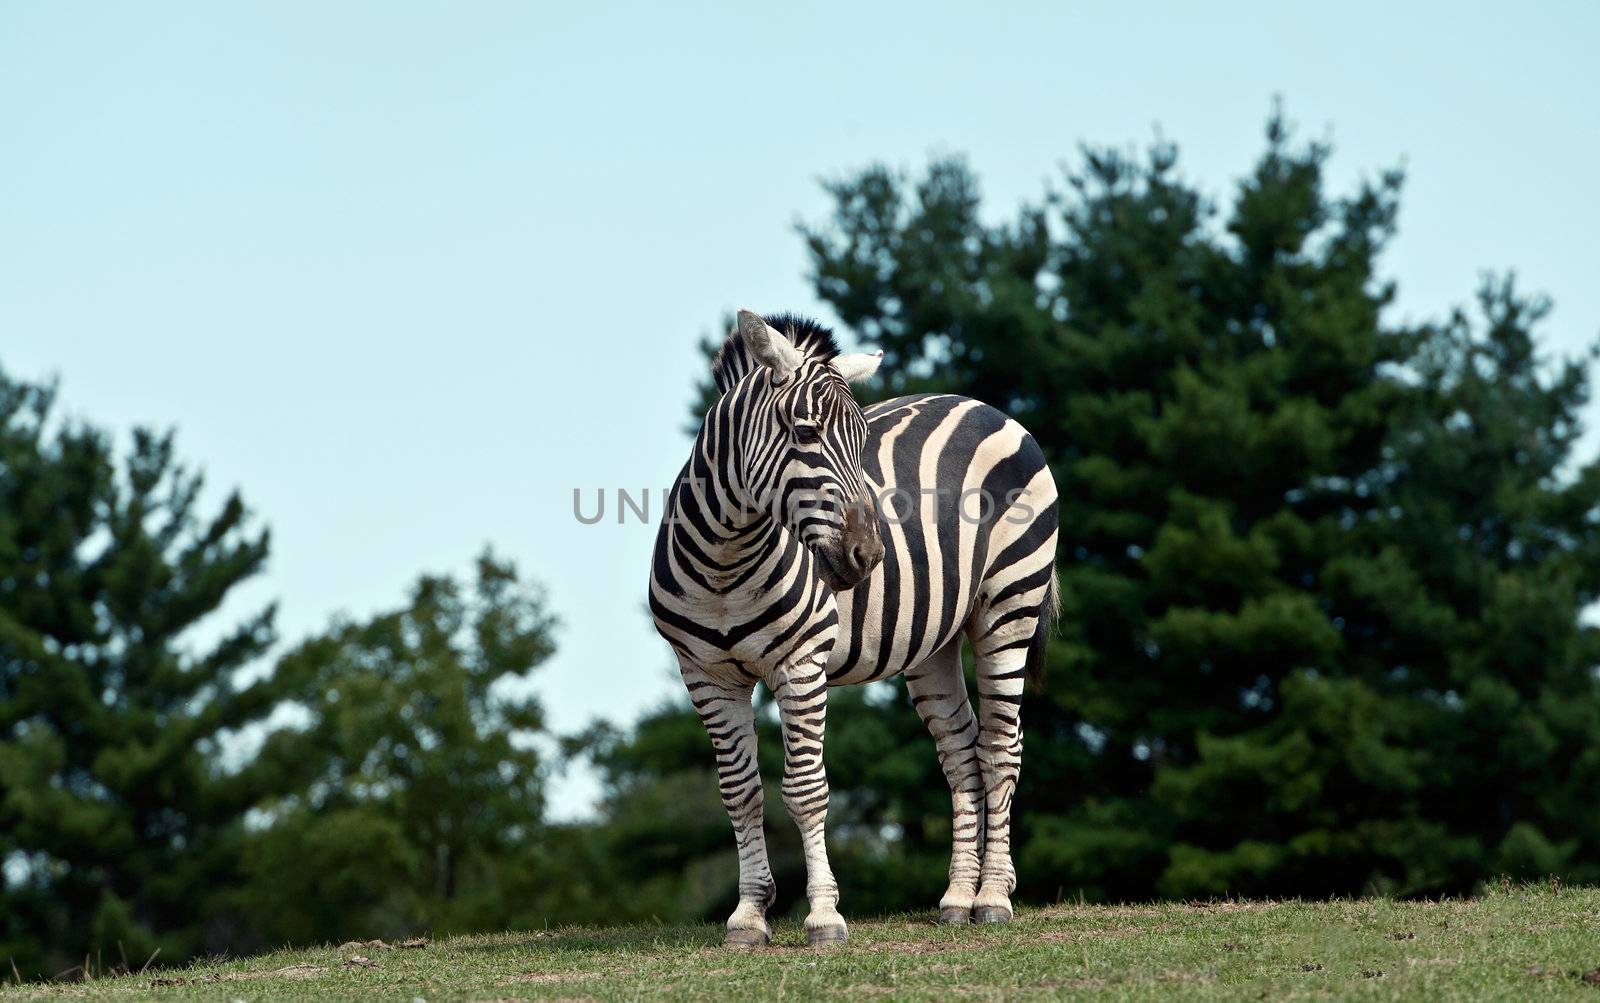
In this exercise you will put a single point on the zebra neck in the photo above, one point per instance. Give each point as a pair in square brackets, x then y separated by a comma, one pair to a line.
[721, 535]
[720, 546]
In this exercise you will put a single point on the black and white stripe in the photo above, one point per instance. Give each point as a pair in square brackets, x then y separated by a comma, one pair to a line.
[775, 564]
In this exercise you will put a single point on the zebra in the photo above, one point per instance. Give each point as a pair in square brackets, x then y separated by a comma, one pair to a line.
[810, 543]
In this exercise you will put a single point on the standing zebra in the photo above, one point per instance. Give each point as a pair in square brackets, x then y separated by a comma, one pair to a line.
[775, 564]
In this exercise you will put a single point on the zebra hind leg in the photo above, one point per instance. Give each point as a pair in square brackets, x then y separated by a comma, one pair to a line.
[1001, 648]
[802, 696]
[730, 720]
[938, 689]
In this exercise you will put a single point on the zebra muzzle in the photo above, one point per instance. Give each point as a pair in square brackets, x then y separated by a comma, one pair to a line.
[860, 544]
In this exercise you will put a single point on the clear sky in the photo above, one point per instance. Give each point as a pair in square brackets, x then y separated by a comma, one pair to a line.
[408, 273]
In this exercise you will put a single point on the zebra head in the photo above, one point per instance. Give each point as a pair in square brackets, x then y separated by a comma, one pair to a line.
[806, 457]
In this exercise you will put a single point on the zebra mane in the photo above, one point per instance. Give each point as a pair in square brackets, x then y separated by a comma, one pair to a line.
[810, 339]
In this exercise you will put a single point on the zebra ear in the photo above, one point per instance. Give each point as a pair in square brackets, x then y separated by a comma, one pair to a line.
[855, 368]
[768, 346]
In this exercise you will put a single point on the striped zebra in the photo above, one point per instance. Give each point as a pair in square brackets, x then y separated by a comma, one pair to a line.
[810, 543]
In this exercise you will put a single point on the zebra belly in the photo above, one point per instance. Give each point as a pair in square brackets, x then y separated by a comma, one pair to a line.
[957, 482]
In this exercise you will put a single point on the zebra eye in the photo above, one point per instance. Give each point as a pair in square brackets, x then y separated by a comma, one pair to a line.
[807, 434]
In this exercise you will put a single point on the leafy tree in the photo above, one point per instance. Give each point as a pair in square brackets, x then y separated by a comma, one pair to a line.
[663, 836]
[410, 797]
[116, 684]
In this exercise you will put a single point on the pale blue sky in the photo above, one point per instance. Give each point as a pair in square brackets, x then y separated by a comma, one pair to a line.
[407, 273]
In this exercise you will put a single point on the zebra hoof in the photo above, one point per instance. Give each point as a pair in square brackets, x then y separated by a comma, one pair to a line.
[826, 936]
[954, 916]
[747, 938]
[991, 914]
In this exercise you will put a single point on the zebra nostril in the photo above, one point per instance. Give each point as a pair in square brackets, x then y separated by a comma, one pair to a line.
[861, 555]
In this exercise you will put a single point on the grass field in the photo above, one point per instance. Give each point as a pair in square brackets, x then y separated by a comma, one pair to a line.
[1512, 944]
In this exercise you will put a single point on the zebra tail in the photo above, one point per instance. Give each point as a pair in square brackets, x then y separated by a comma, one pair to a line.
[1049, 613]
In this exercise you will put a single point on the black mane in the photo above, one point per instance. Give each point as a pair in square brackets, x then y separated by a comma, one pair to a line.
[811, 339]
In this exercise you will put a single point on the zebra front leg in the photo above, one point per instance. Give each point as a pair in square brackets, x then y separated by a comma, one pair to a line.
[730, 721]
[938, 691]
[1000, 678]
[802, 693]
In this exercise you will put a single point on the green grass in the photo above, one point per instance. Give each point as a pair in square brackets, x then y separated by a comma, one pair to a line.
[1522, 943]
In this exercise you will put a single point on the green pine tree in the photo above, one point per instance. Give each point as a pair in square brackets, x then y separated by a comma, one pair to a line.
[117, 683]
[1323, 574]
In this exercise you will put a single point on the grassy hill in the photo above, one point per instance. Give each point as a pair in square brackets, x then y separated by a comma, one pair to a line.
[1512, 944]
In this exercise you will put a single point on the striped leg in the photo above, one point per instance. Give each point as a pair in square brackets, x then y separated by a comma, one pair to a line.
[938, 691]
[730, 721]
[1001, 662]
[802, 692]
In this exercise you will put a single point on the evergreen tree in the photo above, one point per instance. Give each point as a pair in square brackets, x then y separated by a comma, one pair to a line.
[116, 685]
[410, 797]
[1322, 574]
